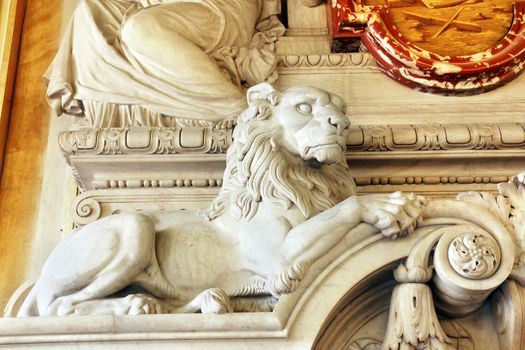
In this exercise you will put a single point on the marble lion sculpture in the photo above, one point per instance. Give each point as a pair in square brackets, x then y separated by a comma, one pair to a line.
[286, 200]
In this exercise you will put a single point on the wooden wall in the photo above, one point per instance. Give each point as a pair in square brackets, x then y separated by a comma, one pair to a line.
[11, 17]
[21, 180]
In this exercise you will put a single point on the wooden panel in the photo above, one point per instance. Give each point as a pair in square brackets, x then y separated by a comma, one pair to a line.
[27, 138]
[11, 17]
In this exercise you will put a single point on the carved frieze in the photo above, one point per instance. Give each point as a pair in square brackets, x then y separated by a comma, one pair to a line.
[197, 138]
[432, 137]
[362, 138]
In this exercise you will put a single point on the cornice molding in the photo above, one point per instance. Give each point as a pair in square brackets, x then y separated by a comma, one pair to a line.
[381, 156]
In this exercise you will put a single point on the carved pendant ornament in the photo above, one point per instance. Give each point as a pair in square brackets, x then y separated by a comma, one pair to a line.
[446, 47]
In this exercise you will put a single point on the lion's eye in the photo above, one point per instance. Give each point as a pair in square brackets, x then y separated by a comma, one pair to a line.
[304, 108]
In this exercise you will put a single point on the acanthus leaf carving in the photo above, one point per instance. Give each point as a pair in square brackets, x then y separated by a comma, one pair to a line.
[413, 321]
[166, 143]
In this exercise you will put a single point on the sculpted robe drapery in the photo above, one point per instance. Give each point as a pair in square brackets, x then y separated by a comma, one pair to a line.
[132, 60]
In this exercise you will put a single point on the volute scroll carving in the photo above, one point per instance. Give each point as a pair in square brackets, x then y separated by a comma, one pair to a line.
[86, 210]
[475, 242]
[461, 270]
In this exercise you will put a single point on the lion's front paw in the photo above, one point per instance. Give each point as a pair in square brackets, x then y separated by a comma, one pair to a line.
[214, 301]
[287, 281]
[395, 214]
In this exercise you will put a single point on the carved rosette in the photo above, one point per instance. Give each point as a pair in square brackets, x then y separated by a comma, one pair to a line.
[468, 263]
[474, 255]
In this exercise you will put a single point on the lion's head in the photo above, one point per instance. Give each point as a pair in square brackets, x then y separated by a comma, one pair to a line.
[289, 149]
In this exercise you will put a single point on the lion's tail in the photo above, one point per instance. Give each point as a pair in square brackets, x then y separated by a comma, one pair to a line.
[29, 307]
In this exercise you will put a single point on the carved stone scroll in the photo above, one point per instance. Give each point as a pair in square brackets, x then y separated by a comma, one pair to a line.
[471, 259]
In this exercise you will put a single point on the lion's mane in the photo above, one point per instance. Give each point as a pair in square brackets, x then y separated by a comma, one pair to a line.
[258, 170]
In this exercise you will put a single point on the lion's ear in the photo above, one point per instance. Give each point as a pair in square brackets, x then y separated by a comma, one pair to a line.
[261, 91]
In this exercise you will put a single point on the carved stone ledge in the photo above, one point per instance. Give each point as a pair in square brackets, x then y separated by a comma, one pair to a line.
[433, 154]
[95, 204]
[121, 171]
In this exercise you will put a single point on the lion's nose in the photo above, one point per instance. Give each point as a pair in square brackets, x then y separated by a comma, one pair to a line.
[340, 122]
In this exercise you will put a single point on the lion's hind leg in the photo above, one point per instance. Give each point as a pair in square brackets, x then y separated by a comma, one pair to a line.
[132, 304]
[95, 262]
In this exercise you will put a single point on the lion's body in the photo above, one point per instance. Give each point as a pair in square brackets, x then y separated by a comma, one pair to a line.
[278, 210]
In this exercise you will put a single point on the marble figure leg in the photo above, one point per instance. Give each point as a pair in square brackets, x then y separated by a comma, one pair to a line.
[172, 41]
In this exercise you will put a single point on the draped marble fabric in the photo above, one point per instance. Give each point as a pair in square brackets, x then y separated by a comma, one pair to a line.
[187, 59]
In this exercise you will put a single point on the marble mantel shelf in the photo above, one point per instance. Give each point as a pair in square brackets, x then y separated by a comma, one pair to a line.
[134, 328]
